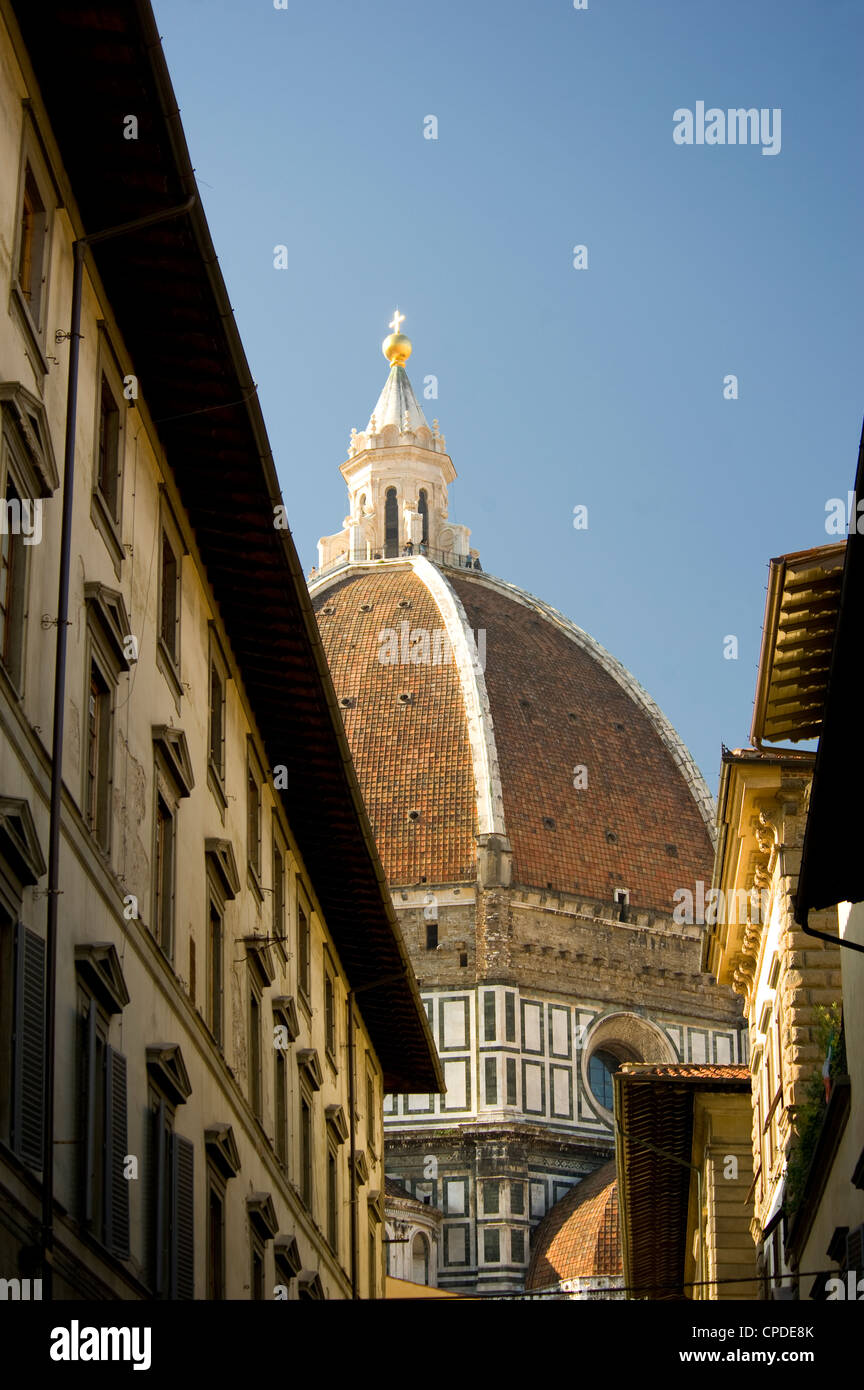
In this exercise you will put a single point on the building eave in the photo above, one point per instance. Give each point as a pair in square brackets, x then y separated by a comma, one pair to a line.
[832, 866]
[800, 619]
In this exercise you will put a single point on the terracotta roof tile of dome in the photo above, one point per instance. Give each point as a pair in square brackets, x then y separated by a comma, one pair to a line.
[636, 824]
[412, 756]
[579, 1238]
[549, 700]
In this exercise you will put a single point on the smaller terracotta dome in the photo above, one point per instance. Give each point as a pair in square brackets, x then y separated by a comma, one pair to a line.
[579, 1238]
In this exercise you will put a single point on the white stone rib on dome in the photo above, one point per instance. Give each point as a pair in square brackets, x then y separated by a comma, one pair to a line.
[481, 732]
[673, 742]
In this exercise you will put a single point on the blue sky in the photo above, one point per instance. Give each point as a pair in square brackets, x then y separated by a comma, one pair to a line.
[557, 387]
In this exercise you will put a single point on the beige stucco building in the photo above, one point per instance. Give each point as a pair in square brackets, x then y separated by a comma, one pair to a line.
[790, 981]
[233, 997]
[747, 1183]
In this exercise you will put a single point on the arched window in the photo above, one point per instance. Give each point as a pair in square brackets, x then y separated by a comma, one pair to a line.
[423, 509]
[391, 525]
[420, 1260]
[601, 1069]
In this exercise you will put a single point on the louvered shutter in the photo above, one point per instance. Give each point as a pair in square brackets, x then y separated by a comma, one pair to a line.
[855, 1251]
[28, 1047]
[88, 1110]
[182, 1223]
[116, 1136]
[159, 1198]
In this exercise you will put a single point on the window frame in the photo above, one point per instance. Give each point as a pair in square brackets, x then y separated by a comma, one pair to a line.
[306, 1141]
[332, 1209]
[281, 879]
[280, 1104]
[223, 885]
[254, 779]
[215, 1000]
[164, 1175]
[103, 1191]
[257, 1261]
[169, 655]
[13, 561]
[304, 943]
[27, 464]
[373, 1260]
[331, 1029]
[254, 1066]
[163, 903]
[371, 1110]
[216, 1268]
[96, 805]
[216, 766]
[106, 511]
[33, 156]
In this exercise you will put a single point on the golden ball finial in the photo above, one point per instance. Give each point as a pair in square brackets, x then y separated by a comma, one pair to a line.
[396, 347]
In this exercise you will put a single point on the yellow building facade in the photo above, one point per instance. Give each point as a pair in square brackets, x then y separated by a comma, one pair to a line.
[790, 981]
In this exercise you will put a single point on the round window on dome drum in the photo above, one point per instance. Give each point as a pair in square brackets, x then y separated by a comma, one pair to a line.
[601, 1069]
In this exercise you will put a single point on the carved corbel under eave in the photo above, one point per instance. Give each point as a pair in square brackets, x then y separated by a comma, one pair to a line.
[743, 973]
[761, 878]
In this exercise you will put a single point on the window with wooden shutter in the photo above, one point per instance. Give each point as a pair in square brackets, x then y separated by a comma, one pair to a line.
[279, 894]
[183, 1222]
[13, 570]
[28, 1047]
[172, 1202]
[332, 1199]
[91, 1096]
[303, 947]
[116, 1145]
[254, 1053]
[306, 1150]
[159, 1199]
[280, 1105]
[215, 1237]
[169, 599]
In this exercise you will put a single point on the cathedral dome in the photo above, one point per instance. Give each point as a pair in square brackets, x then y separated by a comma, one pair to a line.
[473, 709]
[579, 1237]
[537, 818]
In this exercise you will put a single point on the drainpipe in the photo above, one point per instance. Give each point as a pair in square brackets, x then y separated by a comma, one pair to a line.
[352, 1152]
[79, 247]
[837, 940]
[352, 1120]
